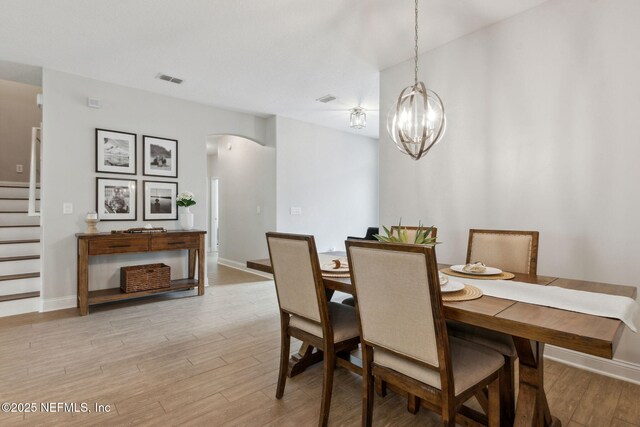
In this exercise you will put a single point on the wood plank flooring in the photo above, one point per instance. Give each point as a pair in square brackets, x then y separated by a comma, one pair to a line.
[212, 361]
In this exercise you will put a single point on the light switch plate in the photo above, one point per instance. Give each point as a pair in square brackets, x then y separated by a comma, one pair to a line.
[67, 208]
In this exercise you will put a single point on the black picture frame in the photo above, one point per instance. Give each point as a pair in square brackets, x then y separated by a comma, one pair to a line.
[151, 160]
[113, 195]
[117, 140]
[148, 213]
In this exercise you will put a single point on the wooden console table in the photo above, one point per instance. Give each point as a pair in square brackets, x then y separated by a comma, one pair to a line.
[109, 244]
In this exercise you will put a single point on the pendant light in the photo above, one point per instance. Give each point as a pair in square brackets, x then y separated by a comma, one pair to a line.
[358, 118]
[417, 121]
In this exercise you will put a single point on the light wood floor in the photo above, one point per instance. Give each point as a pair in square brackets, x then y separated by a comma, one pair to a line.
[212, 361]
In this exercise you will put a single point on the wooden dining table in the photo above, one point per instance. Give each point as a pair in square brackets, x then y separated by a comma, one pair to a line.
[531, 326]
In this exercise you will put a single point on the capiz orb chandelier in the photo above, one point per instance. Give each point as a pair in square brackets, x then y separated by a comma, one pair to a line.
[417, 121]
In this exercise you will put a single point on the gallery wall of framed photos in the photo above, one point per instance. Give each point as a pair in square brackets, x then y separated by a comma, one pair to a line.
[117, 198]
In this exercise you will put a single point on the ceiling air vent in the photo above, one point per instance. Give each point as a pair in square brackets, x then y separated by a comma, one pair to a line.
[171, 79]
[326, 98]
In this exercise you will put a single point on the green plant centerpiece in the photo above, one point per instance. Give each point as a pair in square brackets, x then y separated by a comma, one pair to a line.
[422, 237]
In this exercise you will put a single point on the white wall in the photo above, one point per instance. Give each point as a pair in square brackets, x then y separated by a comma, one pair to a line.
[69, 168]
[18, 114]
[542, 135]
[246, 180]
[332, 176]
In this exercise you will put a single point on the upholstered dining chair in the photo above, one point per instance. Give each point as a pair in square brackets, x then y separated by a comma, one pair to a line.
[304, 311]
[404, 335]
[513, 251]
[411, 233]
[516, 252]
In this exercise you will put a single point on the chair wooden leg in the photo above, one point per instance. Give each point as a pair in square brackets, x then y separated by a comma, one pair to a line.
[285, 345]
[327, 386]
[367, 389]
[494, 403]
[449, 416]
[381, 387]
[413, 403]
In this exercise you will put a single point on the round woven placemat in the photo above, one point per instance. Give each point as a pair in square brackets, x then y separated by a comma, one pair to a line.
[468, 293]
[505, 275]
[336, 275]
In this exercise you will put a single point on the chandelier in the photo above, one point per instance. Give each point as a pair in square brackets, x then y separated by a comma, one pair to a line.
[417, 121]
[358, 119]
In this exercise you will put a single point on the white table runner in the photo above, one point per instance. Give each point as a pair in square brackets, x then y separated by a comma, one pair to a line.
[614, 306]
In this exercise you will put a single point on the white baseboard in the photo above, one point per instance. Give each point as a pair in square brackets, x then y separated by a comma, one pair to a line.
[19, 306]
[53, 304]
[240, 266]
[619, 369]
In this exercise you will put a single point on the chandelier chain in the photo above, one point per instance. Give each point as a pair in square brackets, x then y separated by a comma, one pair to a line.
[415, 75]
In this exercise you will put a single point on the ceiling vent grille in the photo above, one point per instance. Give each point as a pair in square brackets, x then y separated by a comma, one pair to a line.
[326, 98]
[168, 78]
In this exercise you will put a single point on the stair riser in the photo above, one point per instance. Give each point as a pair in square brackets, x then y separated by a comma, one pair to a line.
[16, 205]
[19, 233]
[19, 267]
[11, 308]
[18, 219]
[11, 287]
[19, 249]
[16, 192]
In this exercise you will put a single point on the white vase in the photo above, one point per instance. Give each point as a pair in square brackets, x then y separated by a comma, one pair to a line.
[186, 219]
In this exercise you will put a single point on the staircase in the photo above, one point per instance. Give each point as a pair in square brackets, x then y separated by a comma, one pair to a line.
[19, 251]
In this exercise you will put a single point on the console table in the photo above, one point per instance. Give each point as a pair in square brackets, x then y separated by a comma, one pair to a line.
[120, 243]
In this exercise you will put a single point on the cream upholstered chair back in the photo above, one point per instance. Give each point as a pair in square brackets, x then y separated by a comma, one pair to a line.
[296, 272]
[513, 251]
[398, 298]
[411, 231]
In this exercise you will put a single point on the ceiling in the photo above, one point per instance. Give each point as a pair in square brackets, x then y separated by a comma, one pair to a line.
[264, 57]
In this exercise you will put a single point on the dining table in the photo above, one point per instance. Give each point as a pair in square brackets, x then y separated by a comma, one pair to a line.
[531, 326]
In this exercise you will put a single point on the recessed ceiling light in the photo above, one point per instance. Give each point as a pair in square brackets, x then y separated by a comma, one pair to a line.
[168, 78]
[326, 98]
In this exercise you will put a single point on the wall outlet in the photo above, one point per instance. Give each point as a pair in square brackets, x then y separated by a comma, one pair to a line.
[295, 210]
[67, 208]
[258, 209]
[19, 168]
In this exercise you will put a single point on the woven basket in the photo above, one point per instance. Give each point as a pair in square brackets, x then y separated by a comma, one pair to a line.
[144, 277]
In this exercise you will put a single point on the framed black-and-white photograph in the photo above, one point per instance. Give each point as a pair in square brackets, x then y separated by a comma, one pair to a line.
[160, 156]
[160, 201]
[116, 199]
[115, 152]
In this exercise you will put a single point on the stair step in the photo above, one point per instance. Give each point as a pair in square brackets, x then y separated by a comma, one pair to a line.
[14, 212]
[19, 263]
[23, 295]
[21, 247]
[18, 276]
[16, 242]
[20, 226]
[16, 204]
[21, 232]
[19, 219]
[18, 286]
[16, 191]
[19, 258]
[25, 185]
